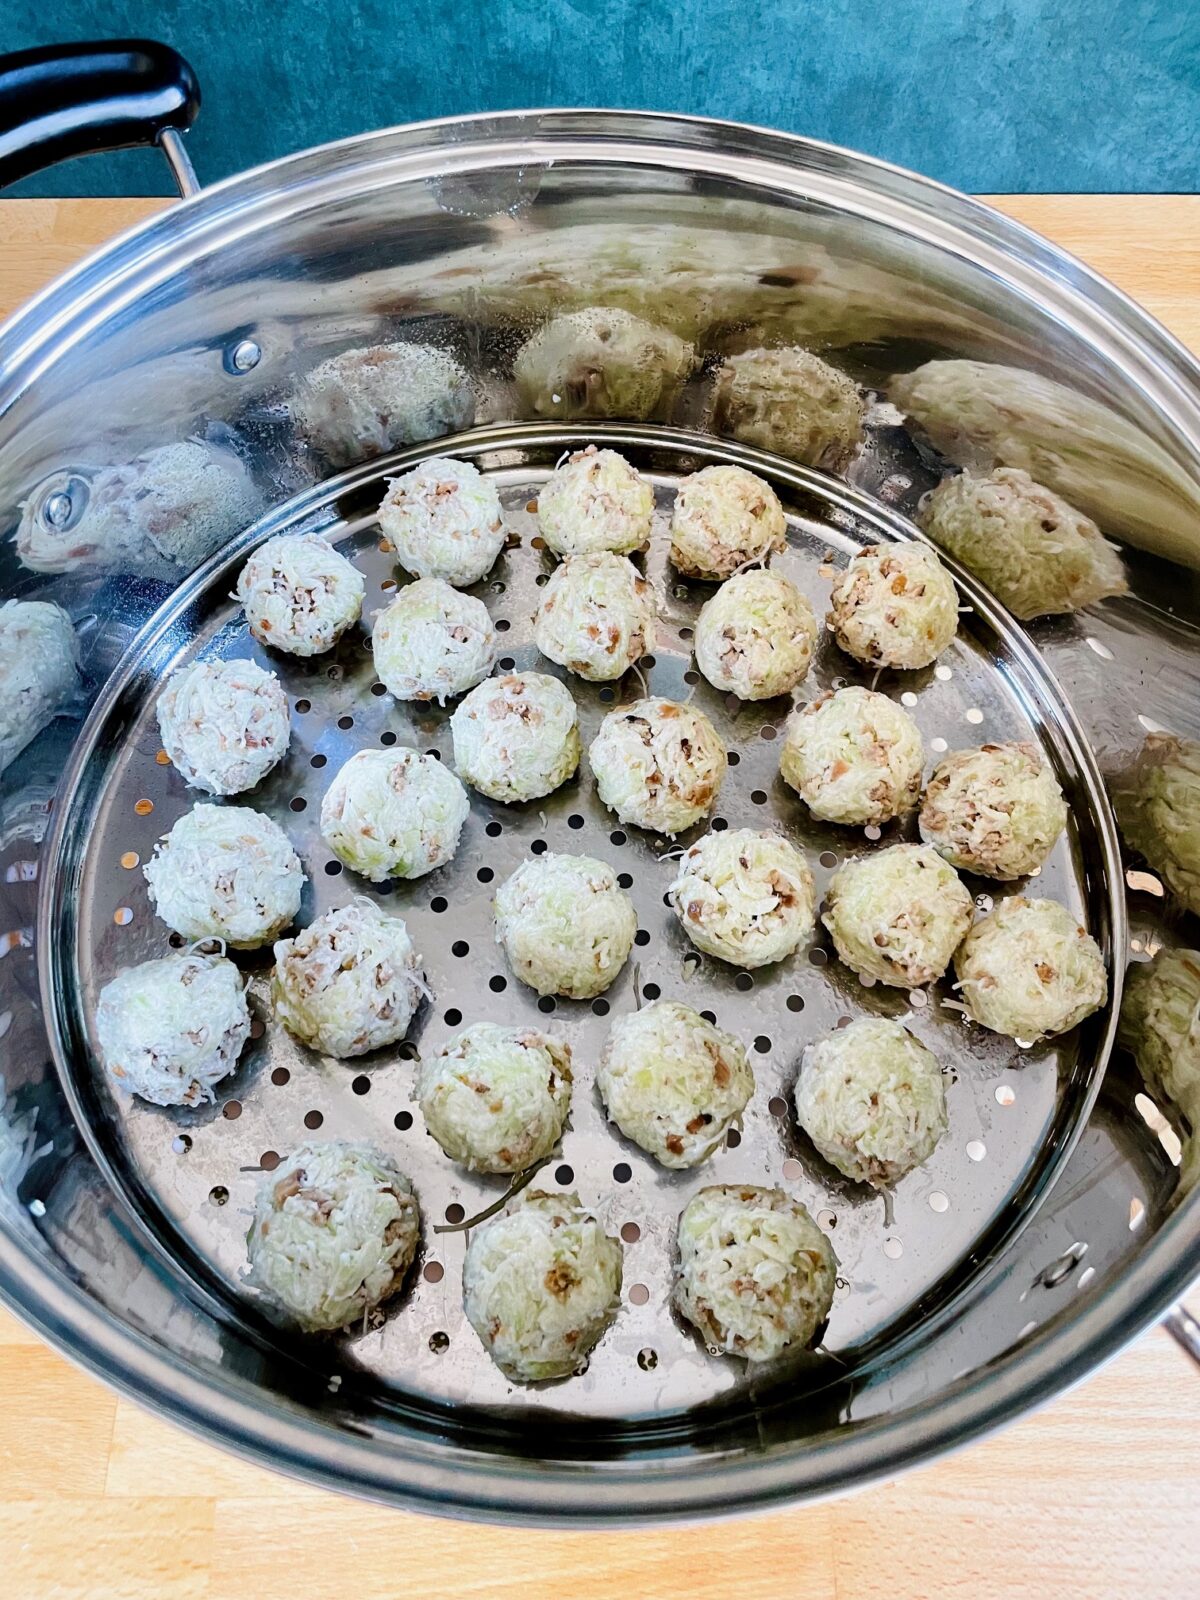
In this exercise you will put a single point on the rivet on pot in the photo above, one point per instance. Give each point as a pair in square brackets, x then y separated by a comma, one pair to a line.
[56, 512]
[243, 357]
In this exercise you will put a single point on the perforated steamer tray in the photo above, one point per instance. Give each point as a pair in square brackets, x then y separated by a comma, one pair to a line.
[189, 1177]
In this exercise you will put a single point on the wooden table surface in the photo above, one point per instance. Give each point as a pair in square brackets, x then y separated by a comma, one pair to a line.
[1097, 1496]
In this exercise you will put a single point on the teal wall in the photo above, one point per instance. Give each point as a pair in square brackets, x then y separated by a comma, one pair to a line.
[999, 95]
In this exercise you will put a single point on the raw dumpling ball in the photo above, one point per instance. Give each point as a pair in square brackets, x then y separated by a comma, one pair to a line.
[1034, 551]
[299, 594]
[496, 1098]
[443, 521]
[565, 924]
[898, 915]
[1029, 970]
[350, 982]
[39, 670]
[724, 518]
[754, 1273]
[980, 414]
[517, 737]
[895, 605]
[755, 637]
[1158, 807]
[433, 643]
[791, 402]
[658, 764]
[226, 872]
[1160, 1027]
[601, 362]
[540, 1286]
[170, 1030]
[393, 814]
[853, 757]
[672, 1082]
[19, 1143]
[224, 724]
[592, 501]
[596, 616]
[746, 897]
[872, 1099]
[996, 810]
[375, 398]
[159, 515]
[335, 1230]
[1189, 1167]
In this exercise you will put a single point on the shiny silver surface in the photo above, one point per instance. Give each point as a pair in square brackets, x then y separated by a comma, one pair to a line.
[468, 234]
[182, 170]
[190, 1178]
[1184, 1328]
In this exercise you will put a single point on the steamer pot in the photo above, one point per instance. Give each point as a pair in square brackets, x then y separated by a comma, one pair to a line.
[470, 234]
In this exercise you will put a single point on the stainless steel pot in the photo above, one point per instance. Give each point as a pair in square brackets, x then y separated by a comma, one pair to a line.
[470, 233]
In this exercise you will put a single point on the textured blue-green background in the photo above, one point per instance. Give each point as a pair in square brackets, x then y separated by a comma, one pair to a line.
[998, 95]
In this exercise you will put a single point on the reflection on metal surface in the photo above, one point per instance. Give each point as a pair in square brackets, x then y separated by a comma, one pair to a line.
[1143, 882]
[602, 363]
[1158, 1124]
[244, 356]
[157, 516]
[983, 415]
[1158, 807]
[1184, 1328]
[1160, 1027]
[456, 236]
[39, 671]
[1050, 1277]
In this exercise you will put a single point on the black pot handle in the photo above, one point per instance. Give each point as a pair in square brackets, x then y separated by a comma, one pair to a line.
[71, 99]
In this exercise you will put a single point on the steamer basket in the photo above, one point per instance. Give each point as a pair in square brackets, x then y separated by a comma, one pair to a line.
[1045, 1231]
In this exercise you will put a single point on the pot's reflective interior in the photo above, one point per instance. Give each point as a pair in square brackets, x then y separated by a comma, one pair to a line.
[473, 238]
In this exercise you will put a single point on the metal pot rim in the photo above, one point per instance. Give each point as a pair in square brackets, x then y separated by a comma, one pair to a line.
[424, 1478]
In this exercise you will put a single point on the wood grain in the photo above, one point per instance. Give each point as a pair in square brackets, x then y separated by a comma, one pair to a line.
[1097, 1496]
[1148, 245]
